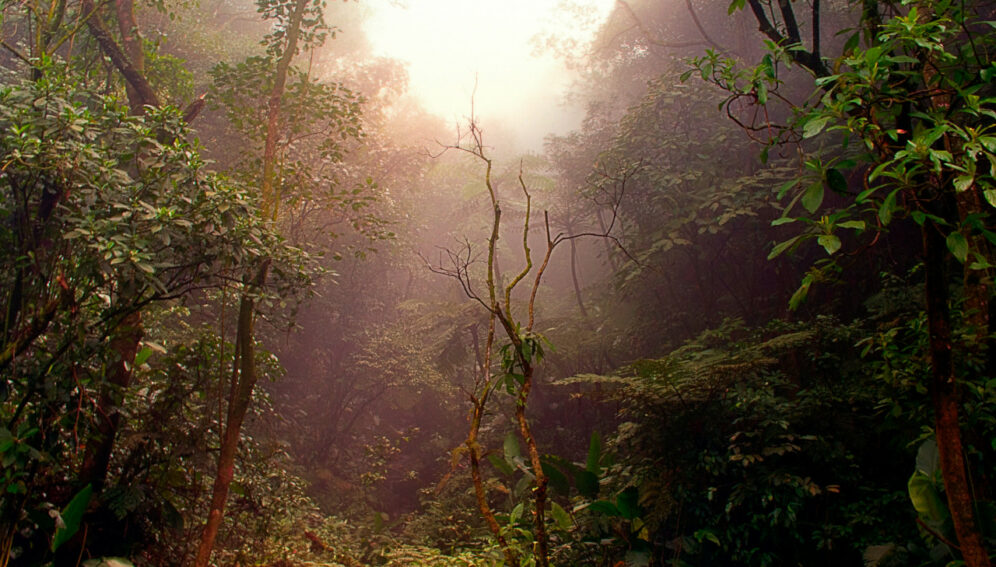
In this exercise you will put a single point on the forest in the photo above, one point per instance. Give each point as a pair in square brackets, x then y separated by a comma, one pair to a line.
[263, 308]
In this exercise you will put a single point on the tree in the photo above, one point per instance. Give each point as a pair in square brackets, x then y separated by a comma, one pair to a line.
[901, 127]
[97, 200]
[298, 21]
[519, 356]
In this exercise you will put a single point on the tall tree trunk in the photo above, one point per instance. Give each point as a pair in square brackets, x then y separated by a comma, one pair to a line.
[239, 401]
[480, 492]
[539, 492]
[271, 198]
[133, 50]
[97, 455]
[238, 405]
[474, 448]
[127, 335]
[946, 401]
[135, 80]
[574, 276]
[945, 391]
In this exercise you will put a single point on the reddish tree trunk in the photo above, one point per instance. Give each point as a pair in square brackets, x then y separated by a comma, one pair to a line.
[946, 402]
[233, 428]
[97, 456]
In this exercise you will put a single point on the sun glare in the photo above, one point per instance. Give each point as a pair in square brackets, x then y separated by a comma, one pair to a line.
[456, 46]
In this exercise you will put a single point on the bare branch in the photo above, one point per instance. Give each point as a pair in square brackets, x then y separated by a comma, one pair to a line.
[638, 24]
[525, 247]
[698, 24]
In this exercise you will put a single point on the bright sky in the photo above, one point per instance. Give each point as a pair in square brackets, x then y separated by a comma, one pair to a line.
[451, 43]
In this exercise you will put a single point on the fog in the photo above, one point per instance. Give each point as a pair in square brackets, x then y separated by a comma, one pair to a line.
[494, 55]
[454, 282]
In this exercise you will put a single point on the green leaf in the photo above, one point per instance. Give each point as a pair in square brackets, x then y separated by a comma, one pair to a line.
[886, 208]
[706, 535]
[829, 242]
[7, 440]
[779, 248]
[71, 515]
[560, 516]
[987, 73]
[500, 464]
[516, 513]
[854, 224]
[836, 181]
[851, 43]
[523, 486]
[800, 294]
[783, 220]
[143, 355]
[813, 197]
[928, 459]
[963, 182]
[814, 126]
[926, 499]
[558, 481]
[880, 169]
[511, 448]
[784, 187]
[628, 502]
[958, 246]
[586, 483]
[594, 454]
[606, 508]
[990, 195]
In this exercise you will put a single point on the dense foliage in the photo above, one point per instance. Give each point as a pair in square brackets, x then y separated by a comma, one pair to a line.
[741, 316]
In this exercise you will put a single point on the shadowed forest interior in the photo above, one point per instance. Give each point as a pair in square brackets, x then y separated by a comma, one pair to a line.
[261, 306]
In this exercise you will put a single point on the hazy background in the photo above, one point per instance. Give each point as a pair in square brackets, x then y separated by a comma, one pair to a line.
[449, 45]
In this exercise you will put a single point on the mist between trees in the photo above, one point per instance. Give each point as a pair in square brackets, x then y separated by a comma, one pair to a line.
[261, 308]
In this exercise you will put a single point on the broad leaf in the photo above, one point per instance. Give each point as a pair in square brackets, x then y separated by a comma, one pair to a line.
[927, 500]
[586, 483]
[71, 515]
[557, 479]
[606, 508]
[560, 516]
[501, 464]
[963, 182]
[511, 448]
[813, 197]
[886, 208]
[814, 126]
[990, 195]
[800, 294]
[836, 181]
[594, 454]
[855, 224]
[958, 246]
[628, 502]
[829, 242]
[779, 248]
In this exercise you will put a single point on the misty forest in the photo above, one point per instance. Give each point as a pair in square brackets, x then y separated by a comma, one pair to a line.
[262, 307]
